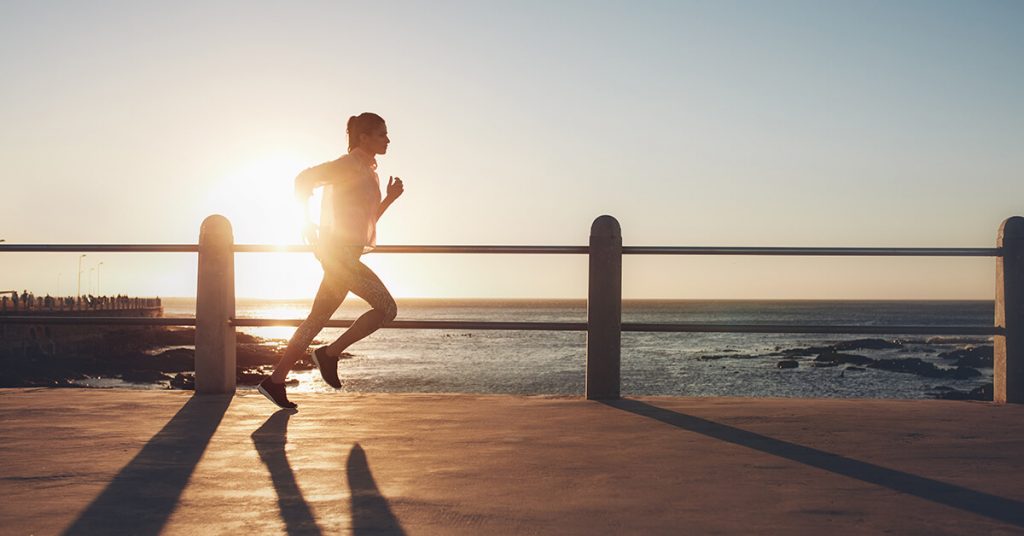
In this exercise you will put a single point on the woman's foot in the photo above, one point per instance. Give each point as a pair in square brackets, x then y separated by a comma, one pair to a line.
[328, 367]
[275, 392]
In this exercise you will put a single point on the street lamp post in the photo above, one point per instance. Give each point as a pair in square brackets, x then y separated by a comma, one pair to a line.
[80, 257]
[98, 293]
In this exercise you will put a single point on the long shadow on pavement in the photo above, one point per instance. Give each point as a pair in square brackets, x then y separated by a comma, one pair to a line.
[142, 496]
[270, 440]
[977, 502]
[370, 511]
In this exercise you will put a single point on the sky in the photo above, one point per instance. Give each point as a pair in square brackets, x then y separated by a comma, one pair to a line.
[788, 123]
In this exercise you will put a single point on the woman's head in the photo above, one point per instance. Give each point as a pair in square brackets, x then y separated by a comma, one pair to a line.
[368, 131]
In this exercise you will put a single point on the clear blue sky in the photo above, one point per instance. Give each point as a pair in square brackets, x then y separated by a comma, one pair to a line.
[694, 123]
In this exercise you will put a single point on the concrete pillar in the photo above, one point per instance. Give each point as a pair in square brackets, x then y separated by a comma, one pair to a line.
[215, 306]
[604, 310]
[1009, 347]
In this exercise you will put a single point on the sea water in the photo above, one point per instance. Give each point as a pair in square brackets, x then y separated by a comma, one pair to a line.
[551, 362]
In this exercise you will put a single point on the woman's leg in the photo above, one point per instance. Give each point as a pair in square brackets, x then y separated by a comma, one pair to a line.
[367, 286]
[328, 299]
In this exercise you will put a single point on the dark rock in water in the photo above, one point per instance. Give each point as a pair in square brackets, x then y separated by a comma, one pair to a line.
[184, 381]
[787, 364]
[985, 393]
[823, 364]
[248, 377]
[805, 352]
[855, 369]
[174, 360]
[144, 376]
[866, 344]
[716, 357]
[914, 365]
[956, 339]
[963, 373]
[837, 358]
[252, 355]
[975, 356]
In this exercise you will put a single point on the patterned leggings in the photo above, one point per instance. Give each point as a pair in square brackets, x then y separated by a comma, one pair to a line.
[343, 273]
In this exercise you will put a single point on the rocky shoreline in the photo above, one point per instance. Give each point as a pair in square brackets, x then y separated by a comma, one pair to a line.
[157, 356]
[963, 363]
[161, 356]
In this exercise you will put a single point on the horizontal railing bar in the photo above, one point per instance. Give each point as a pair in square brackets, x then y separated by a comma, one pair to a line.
[101, 248]
[531, 326]
[524, 250]
[574, 250]
[267, 248]
[425, 324]
[786, 251]
[99, 320]
[795, 328]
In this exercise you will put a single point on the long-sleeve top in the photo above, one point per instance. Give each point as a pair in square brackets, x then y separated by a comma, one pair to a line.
[351, 202]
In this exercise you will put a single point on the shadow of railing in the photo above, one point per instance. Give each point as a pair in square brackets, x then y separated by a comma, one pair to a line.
[142, 496]
[270, 440]
[370, 511]
[977, 502]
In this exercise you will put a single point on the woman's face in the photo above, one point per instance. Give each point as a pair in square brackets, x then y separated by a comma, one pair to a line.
[376, 141]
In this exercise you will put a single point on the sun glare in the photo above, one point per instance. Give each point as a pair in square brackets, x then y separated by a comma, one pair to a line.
[257, 198]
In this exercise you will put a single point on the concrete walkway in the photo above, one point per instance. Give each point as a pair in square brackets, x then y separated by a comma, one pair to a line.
[148, 462]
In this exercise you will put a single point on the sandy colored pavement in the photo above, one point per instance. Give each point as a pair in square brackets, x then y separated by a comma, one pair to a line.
[86, 461]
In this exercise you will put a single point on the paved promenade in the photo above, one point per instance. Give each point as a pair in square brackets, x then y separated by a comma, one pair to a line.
[147, 462]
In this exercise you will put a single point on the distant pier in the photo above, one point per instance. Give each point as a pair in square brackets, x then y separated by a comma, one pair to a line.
[12, 303]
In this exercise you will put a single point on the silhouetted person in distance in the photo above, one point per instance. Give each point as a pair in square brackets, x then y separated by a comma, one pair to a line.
[352, 205]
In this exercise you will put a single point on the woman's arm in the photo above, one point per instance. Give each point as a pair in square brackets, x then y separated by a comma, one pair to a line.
[305, 182]
[395, 189]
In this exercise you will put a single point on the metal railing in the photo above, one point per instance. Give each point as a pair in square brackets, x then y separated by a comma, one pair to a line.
[215, 320]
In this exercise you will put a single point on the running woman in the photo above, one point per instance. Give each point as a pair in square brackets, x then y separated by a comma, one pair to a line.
[352, 205]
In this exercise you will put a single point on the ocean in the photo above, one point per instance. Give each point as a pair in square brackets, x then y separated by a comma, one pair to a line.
[681, 364]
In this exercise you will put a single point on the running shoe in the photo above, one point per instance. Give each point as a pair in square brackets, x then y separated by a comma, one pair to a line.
[328, 367]
[275, 392]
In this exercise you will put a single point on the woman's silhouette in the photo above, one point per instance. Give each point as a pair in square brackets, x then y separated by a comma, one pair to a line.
[352, 205]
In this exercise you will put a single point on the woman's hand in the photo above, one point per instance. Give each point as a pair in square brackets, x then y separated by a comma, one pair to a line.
[395, 187]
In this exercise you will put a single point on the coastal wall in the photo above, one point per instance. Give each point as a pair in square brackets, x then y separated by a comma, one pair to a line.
[20, 340]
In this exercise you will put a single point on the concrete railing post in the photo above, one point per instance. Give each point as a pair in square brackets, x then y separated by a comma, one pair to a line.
[1008, 365]
[215, 306]
[604, 310]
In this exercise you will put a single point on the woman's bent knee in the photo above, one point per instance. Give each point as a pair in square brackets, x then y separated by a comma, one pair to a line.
[389, 311]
